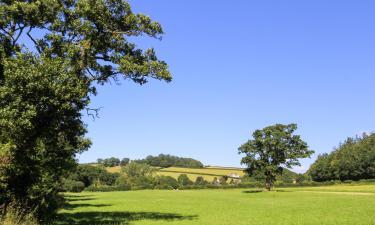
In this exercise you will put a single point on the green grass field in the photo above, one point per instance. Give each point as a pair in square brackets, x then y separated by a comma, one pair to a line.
[339, 204]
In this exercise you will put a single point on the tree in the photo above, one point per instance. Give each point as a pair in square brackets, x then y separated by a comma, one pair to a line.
[215, 181]
[111, 162]
[184, 180]
[138, 176]
[200, 181]
[44, 87]
[271, 149]
[124, 161]
[166, 182]
[352, 160]
[223, 180]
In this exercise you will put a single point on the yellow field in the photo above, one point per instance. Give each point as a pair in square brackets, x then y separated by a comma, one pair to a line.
[192, 177]
[115, 169]
[208, 173]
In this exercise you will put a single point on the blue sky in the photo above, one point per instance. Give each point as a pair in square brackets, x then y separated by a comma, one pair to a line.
[240, 66]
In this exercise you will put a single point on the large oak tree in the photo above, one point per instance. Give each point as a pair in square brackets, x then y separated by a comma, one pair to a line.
[45, 85]
[271, 149]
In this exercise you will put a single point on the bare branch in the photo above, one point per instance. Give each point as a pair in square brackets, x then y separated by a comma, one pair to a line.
[94, 113]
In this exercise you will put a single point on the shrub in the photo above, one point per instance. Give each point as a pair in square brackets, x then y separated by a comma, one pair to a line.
[184, 180]
[106, 188]
[200, 181]
[17, 215]
[166, 182]
[123, 183]
[69, 185]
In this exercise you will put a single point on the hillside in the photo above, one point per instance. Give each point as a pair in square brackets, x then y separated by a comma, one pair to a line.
[208, 173]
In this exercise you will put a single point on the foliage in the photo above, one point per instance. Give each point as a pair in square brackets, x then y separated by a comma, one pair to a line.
[124, 161]
[82, 44]
[163, 160]
[223, 180]
[68, 185]
[41, 129]
[184, 180]
[166, 182]
[123, 183]
[17, 215]
[200, 181]
[110, 162]
[271, 149]
[138, 176]
[352, 160]
[90, 175]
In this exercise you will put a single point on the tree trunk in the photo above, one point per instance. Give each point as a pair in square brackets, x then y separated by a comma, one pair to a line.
[268, 186]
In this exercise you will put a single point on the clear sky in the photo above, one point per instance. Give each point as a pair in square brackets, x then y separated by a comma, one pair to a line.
[239, 66]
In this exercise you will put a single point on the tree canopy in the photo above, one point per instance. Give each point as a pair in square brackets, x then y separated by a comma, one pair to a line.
[271, 149]
[46, 85]
[165, 160]
[352, 160]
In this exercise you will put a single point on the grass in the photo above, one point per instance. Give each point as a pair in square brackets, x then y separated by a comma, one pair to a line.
[208, 173]
[339, 204]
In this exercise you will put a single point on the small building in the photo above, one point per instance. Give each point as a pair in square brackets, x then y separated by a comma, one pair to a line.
[234, 175]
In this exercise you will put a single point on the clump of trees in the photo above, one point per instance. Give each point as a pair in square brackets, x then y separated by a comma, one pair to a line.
[85, 176]
[271, 149]
[352, 160]
[113, 161]
[163, 160]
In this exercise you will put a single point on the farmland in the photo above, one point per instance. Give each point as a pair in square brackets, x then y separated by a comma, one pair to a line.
[208, 173]
[338, 204]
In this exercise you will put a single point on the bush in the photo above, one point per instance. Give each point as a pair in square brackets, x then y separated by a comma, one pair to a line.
[184, 180]
[69, 185]
[17, 215]
[200, 181]
[123, 183]
[106, 188]
[166, 182]
[88, 174]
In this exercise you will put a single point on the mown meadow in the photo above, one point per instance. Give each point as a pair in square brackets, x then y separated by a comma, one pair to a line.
[338, 204]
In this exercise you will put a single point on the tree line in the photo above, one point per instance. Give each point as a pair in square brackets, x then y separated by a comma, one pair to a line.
[113, 161]
[352, 160]
[165, 160]
[162, 160]
[136, 176]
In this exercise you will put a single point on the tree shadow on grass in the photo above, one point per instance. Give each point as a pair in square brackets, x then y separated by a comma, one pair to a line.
[116, 218]
[252, 191]
[78, 199]
[74, 198]
[108, 218]
[259, 191]
[283, 191]
[68, 206]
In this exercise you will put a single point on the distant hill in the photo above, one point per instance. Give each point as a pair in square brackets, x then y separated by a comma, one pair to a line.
[208, 173]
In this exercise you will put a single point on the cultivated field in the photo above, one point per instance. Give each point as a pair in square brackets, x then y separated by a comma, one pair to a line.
[208, 173]
[339, 205]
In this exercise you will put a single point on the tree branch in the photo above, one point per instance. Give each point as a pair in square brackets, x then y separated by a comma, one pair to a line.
[33, 40]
